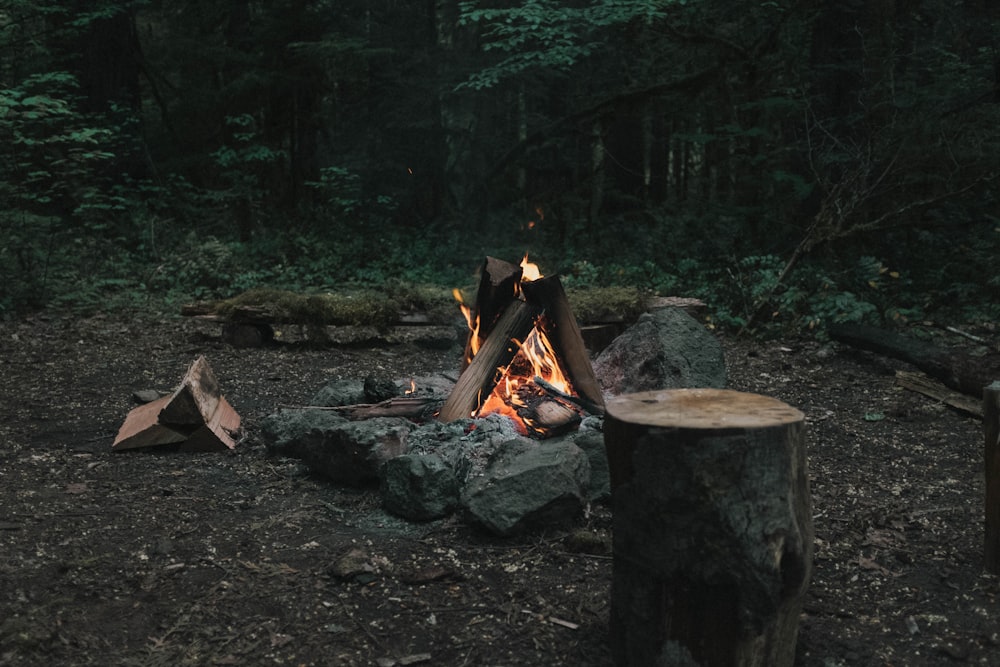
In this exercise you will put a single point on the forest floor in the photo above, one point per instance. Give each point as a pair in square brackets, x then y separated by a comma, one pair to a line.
[169, 558]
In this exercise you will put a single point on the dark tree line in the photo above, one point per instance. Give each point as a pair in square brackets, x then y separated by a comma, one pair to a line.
[695, 144]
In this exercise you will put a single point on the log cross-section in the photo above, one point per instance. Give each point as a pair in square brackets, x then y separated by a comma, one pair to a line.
[712, 528]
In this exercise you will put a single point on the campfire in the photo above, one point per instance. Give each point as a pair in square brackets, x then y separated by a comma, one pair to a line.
[524, 356]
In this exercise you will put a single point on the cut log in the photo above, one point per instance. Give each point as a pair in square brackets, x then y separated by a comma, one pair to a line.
[195, 417]
[712, 528]
[553, 418]
[960, 371]
[498, 350]
[991, 431]
[563, 332]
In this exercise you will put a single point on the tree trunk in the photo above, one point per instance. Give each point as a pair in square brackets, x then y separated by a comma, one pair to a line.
[991, 431]
[713, 534]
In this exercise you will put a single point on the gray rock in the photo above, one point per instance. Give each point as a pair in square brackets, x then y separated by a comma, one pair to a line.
[345, 451]
[340, 392]
[665, 349]
[592, 444]
[529, 485]
[378, 388]
[420, 487]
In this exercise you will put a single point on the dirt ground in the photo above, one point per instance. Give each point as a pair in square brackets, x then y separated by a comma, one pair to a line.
[168, 558]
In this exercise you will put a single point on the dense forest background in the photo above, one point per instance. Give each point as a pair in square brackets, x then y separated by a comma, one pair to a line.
[793, 162]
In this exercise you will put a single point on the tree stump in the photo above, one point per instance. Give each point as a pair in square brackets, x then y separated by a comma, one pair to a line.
[713, 534]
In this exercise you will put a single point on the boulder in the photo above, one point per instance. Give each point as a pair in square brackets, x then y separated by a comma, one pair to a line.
[419, 487]
[344, 451]
[339, 392]
[527, 485]
[665, 349]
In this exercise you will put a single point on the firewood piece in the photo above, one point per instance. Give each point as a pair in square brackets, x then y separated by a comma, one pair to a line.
[195, 400]
[553, 418]
[581, 403]
[498, 283]
[195, 416]
[477, 381]
[922, 384]
[563, 332]
[712, 527]
[216, 433]
[991, 431]
[960, 371]
[141, 428]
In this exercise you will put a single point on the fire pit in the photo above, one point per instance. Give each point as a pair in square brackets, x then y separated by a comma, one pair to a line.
[514, 440]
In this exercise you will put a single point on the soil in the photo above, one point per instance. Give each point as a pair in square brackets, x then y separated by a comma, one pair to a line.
[168, 558]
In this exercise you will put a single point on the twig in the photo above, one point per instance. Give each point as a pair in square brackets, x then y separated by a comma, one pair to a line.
[963, 334]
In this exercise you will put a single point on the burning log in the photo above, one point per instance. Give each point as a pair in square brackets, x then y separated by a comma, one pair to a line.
[713, 534]
[498, 350]
[498, 288]
[522, 330]
[564, 333]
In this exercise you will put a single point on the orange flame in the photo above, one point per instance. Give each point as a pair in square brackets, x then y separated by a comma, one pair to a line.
[529, 271]
[535, 358]
[472, 322]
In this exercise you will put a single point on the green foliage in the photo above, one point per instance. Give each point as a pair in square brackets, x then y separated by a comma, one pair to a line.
[547, 35]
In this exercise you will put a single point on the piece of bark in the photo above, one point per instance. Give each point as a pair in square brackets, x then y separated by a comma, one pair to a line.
[960, 371]
[991, 456]
[195, 400]
[478, 380]
[712, 528]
